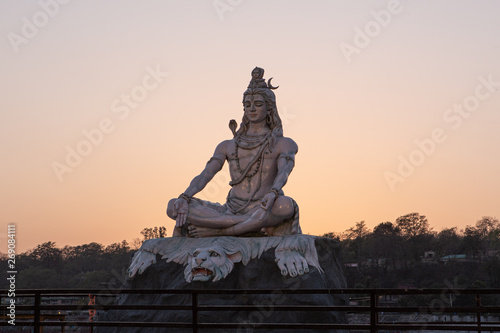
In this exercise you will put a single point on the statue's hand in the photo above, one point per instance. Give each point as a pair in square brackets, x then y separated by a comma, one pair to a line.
[291, 263]
[181, 210]
[266, 204]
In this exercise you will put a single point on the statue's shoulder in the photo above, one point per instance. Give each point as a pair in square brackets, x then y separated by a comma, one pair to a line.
[286, 145]
[225, 146]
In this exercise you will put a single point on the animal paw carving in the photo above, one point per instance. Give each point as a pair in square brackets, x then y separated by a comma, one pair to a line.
[142, 260]
[291, 263]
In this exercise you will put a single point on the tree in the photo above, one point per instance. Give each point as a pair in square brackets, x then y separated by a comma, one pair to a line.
[385, 240]
[91, 280]
[487, 224]
[46, 255]
[358, 231]
[449, 241]
[39, 277]
[413, 226]
[117, 256]
[354, 242]
[473, 241]
[118, 248]
[332, 235]
[86, 257]
[483, 238]
[150, 233]
[490, 229]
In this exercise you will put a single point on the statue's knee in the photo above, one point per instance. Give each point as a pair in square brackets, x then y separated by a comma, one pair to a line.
[283, 207]
[170, 209]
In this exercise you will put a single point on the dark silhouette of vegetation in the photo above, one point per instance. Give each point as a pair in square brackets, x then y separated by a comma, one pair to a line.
[87, 266]
[404, 253]
[150, 233]
[83, 266]
[408, 253]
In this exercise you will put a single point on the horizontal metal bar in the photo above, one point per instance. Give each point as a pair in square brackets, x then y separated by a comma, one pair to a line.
[398, 326]
[433, 310]
[438, 327]
[114, 292]
[281, 308]
[200, 325]
[103, 324]
[106, 307]
[464, 323]
[429, 310]
[284, 326]
[44, 295]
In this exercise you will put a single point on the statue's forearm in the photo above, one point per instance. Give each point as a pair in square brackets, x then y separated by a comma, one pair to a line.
[280, 181]
[199, 182]
[282, 176]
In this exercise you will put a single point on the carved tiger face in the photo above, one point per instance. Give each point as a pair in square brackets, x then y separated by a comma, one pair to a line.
[210, 264]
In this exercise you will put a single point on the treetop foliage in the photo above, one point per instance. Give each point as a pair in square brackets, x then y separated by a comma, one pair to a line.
[399, 252]
[83, 266]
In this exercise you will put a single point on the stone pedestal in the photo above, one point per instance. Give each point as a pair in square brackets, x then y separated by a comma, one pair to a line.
[263, 264]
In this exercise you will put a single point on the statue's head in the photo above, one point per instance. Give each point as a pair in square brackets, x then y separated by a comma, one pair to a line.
[257, 73]
[258, 86]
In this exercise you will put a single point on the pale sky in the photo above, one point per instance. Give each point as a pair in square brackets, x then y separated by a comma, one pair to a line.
[110, 108]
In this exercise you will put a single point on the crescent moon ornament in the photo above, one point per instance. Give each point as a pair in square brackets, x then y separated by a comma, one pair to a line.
[270, 86]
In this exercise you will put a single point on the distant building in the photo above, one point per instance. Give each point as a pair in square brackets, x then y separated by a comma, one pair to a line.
[455, 257]
[351, 264]
[429, 257]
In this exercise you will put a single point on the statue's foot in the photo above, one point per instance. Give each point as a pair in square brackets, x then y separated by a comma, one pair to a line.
[199, 232]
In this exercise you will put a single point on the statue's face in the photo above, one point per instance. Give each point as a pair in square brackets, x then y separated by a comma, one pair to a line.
[255, 108]
[255, 73]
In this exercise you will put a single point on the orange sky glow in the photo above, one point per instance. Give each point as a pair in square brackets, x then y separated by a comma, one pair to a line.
[109, 109]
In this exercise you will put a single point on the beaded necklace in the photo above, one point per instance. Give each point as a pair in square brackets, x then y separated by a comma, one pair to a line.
[259, 160]
[246, 142]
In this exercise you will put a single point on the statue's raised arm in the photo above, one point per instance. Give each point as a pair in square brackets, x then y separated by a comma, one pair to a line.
[260, 160]
[178, 209]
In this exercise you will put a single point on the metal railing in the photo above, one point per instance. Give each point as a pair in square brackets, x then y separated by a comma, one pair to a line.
[368, 309]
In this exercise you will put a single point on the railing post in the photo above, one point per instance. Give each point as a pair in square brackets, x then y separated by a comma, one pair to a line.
[36, 315]
[478, 314]
[92, 311]
[194, 301]
[373, 311]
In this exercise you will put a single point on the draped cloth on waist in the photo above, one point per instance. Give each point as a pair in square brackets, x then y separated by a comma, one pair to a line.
[241, 206]
[233, 206]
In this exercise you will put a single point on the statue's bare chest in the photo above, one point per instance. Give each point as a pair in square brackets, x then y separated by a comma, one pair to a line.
[247, 155]
[241, 158]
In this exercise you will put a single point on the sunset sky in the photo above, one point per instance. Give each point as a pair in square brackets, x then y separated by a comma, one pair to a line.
[110, 108]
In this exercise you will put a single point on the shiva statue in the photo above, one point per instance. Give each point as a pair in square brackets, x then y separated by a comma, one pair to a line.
[260, 160]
